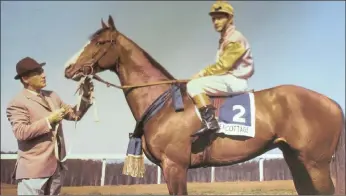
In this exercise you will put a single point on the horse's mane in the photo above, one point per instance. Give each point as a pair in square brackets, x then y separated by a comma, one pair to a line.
[150, 58]
[157, 65]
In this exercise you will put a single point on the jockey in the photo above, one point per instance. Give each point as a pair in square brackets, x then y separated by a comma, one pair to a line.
[229, 75]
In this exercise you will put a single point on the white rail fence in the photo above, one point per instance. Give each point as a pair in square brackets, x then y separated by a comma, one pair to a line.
[105, 157]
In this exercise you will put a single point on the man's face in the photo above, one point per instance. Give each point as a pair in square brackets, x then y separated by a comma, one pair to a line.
[220, 20]
[36, 79]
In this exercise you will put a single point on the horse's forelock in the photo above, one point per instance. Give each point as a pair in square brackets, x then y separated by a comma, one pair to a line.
[74, 58]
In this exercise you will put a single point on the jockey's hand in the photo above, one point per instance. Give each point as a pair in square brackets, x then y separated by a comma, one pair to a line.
[196, 76]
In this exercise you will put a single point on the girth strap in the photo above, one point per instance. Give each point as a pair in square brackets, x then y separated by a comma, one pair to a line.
[153, 109]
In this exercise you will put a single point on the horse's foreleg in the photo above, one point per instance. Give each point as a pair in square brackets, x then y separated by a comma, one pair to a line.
[175, 176]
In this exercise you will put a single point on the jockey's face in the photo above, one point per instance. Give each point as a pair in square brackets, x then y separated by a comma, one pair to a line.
[35, 80]
[220, 21]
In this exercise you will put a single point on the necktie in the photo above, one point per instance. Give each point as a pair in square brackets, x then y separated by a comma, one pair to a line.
[45, 101]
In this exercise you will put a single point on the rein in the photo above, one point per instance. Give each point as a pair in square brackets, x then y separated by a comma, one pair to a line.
[96, 77]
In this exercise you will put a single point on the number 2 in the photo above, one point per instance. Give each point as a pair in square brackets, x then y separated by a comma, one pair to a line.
[238, 117]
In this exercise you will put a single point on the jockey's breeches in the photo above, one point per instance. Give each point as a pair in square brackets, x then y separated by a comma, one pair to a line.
[220, 85]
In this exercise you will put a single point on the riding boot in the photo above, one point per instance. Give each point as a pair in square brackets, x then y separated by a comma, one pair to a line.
[207, 111]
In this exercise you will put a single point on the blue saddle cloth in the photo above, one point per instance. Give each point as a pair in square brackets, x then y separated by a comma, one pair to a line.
[236, 110]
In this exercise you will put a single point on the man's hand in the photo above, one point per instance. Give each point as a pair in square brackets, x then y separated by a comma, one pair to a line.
[88, 87]
[198, 75]
[56, 116]
[195, 76]
[67, 109]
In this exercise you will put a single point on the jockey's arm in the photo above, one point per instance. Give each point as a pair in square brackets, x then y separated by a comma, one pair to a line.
[232, 52]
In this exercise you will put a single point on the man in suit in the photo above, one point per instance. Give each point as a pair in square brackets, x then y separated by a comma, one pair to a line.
[35, 116]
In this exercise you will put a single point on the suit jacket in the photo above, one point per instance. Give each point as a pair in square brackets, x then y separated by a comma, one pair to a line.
[28, 114]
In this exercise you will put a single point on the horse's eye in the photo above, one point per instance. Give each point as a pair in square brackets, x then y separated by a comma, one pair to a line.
[100, 43]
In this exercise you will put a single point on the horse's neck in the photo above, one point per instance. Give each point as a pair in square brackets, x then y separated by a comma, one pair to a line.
[139, 68]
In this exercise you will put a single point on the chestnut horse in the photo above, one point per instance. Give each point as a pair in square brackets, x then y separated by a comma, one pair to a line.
[304, 124]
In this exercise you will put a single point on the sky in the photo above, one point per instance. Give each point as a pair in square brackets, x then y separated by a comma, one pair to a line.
[297, 42]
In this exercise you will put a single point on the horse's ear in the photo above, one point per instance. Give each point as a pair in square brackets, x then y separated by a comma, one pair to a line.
[111, 23]
[103, 24]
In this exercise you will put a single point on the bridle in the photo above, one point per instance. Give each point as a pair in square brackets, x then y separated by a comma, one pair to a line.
[88, 68]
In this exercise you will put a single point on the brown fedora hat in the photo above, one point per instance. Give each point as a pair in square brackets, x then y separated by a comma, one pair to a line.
[26, 65]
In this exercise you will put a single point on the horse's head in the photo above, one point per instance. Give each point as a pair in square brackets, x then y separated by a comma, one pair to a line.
[97, 55]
